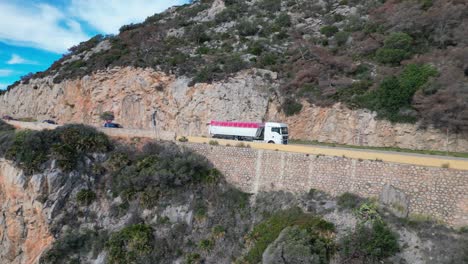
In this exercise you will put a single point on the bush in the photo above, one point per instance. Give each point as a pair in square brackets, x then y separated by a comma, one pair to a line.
[247, 28]
[206, 244]
[348, 201]
[85, 197]
[256, 48]
[232, 63]
[213, 142]
[370, 244]
[267, 231]
[341, 38]
[329, 31]
[391, 56]
[64, 248]
[160, 168]
[270, 5]
[130, 245]
[397, 47]
[107, 116]
[283, 20]
[291, 107]
[183, 139]
[5, 126]
[67, 144]
[398, 40]
[267, 59]
[395, 93]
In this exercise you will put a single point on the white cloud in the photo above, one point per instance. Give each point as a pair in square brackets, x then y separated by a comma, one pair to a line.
[16, 59]
[38, 25]
[5, 73]
[109, 15]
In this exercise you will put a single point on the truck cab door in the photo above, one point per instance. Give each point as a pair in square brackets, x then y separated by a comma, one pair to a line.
[260, 135]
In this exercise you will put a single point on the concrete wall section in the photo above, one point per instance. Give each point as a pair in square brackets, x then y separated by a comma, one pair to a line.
[441, 193]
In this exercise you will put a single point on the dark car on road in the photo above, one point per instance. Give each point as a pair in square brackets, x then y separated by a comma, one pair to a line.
[48, 121]
[112, 125]
[7, 117]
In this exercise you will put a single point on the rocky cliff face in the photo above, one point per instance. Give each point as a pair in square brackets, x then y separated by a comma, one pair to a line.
[135, 94]
[24, 231]
[123, 207]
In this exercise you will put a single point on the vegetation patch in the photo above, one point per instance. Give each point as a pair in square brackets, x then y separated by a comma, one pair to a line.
[68, 145]
[349, 201]
[85, 197]
[318, 230]
[369, 244]
[66, 248]
[157, 170]
[130, 245]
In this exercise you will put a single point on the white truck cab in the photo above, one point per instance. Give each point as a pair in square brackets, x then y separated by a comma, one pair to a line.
[272, 132]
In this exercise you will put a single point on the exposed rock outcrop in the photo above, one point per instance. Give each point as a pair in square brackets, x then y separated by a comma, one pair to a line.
[135, 94]
[24, 231]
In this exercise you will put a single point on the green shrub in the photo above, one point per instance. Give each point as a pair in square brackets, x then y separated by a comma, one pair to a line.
[5, 126]
[85, 197]
[183, 139]
[232, 63]
[267, 59]
[256, 48]
[206, 244]
[75, 242]
[30, 149]
[218, 230]
[161, 167]
[67, 144]
[397, 47]
[213, 142]
[348, 201]
[395, 93]
[198, 33]
[391, 56]
[267, 231]
[228, 14]
[131, 244]
[291, 107]
[207, 74]
[6, 141]
[370, 244]
[398, 40]
[270, 5]
[329, 31]
[426, 4]
[192, 258]
[283, 20]
[247, 28]
[203, 50]
[341, 38]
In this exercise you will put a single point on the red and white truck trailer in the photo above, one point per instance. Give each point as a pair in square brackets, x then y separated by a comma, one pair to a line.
[269, 132]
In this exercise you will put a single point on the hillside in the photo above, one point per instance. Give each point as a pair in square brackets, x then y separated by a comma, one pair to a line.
[405, 61]
[72, 195]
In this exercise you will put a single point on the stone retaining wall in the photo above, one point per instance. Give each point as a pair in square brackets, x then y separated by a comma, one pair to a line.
[439, 192]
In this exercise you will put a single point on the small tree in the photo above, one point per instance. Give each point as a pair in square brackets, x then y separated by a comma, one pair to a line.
[107, 116]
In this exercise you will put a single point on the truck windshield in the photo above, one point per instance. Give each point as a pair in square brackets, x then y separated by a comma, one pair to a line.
[284, 131]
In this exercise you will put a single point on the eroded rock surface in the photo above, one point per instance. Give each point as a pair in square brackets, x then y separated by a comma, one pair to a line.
[24, 232]
[251, 95]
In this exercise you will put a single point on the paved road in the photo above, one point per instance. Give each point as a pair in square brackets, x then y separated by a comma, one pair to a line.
[361, 154]
[402, 153]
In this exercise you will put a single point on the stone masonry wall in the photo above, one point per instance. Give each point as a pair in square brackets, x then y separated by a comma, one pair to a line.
[439, 192]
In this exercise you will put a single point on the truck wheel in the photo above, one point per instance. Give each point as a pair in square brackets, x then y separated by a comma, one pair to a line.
[271, 142]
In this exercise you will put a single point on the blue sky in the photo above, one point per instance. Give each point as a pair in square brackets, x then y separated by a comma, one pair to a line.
[35, 33]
